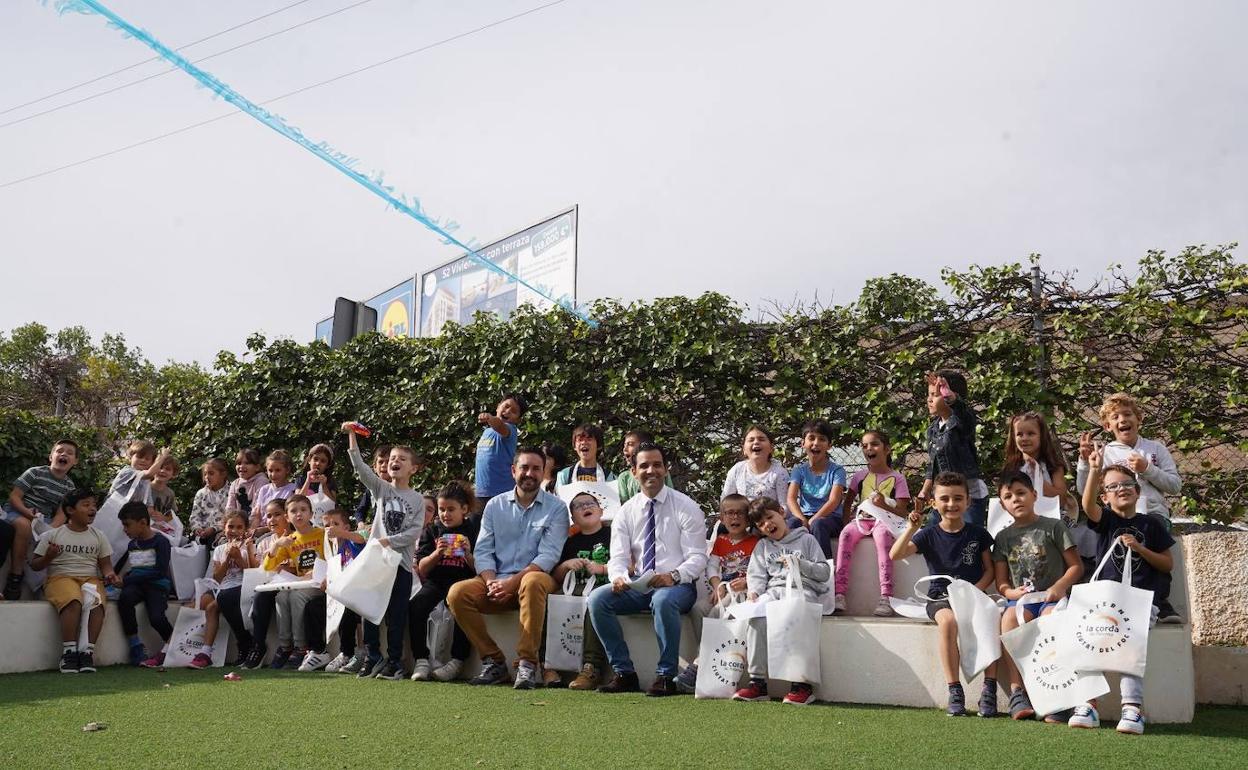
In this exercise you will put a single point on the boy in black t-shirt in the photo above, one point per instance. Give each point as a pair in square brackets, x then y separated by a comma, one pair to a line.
[1113, 517]
[585, 553]
[960, 549]
[443, 558]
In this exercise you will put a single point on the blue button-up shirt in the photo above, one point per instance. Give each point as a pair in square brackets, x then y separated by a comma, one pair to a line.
[513, 537]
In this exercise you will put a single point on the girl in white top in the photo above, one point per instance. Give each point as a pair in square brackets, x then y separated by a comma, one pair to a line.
[758, 475]
[228, 562]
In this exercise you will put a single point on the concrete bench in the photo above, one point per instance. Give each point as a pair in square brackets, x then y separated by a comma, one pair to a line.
[889, 661]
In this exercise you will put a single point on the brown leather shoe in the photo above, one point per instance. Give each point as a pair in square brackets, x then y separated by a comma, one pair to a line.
[662, 687]
[622, 683]
[588, 679]
[551, 678]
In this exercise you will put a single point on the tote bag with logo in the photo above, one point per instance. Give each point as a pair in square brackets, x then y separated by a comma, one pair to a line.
[1052, 683]
[1106, 622]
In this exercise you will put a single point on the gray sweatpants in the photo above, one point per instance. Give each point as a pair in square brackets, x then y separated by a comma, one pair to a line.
[291, 630]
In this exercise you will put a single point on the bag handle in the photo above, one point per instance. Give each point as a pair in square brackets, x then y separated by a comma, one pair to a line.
[724, 606]
[710, 542]
[922, 595]
[379, 523]
[1109, 553]
[1035, 597]
[793, 577]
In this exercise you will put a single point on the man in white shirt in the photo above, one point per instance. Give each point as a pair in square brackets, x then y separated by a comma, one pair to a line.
[662, 533]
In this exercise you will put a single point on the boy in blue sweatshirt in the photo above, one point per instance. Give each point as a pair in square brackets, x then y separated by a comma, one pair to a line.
[148, 581]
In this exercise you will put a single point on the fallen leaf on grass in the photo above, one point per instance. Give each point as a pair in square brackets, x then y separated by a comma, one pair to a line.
[539, 703]
[94, 727]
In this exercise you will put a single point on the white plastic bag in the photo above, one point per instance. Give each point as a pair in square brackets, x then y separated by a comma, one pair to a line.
[321, 505]
[334, 609]
[188, 639]
[793, 632]
[90, 600]
[979, 627]
[915, 608]
[365, 584]
[722, 656]
[1049, 507]
[188, 564]
[253, 577]
[107, 522]
[1052, 683]
[895, 524]
[438, 632]
[1106, 623]
[565, 623]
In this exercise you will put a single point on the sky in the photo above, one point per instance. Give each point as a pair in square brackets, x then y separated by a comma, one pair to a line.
[772, 151]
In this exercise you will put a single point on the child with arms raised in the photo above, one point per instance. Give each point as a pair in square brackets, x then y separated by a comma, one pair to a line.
[497, 447]
[74, 554]
[1034, 554]
[1154, 468]
[726, 567]
[817, 487]
[444, 557]
[1113, 517]
[381, 466]
[148, 581]
[885, 488]
[37, 494]
[951, 440]
[759, 474]
[780, 550]
[400, 511]
[957, 548]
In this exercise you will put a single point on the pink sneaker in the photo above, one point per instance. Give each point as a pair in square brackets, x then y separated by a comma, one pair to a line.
[156, 661]
[201, 661]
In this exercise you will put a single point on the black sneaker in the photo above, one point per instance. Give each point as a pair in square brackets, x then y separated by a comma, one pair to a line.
[988, 701]
[13, 587]
[1020, 705]
[957, 702]
[86, 663]
[279, 658]
[390, 670]
[69, 662]
[372, 667]
[492, 672]
[1167, 614]
[255, 657]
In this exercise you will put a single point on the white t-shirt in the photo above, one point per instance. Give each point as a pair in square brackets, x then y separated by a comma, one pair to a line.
[80, 551]
[233, 575]
[773, 482]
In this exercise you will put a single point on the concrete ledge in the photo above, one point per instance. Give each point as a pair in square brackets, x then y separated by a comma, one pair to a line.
[1221, 675]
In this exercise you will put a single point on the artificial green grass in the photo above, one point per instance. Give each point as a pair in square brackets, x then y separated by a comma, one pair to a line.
[286, 719]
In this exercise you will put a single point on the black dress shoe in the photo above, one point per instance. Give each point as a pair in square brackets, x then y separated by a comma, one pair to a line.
[662, 687]
[622, 683]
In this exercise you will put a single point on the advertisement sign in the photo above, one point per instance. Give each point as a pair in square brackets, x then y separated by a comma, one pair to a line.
[543, 255]
[396, 309]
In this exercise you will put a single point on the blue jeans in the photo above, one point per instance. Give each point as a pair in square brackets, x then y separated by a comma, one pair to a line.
[667, 604]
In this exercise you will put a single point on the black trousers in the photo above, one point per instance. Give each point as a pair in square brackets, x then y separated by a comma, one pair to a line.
[396, 621]
[228, 604]
[418, 612]
[156, 599]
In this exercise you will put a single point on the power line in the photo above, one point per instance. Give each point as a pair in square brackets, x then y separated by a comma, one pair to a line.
[124, 86]
[151, 59]
[287, 95]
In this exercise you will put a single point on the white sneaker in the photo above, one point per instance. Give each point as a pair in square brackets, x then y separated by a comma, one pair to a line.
[1085, 716]
[314, 661]
[1132, 722]
[421, 672]
[448, 672]
[839, 606]
[526, 676]
[337, 663]
[883, 609]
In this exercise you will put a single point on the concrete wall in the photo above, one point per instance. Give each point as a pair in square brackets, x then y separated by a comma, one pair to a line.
[864, 659]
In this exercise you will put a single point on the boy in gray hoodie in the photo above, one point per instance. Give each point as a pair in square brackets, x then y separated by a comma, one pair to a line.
[398, 518]
[779, 549]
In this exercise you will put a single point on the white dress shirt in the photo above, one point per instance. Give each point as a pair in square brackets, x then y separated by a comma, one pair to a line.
[679, 536]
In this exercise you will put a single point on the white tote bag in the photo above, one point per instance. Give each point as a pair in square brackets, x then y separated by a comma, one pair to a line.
[1049, 507]
[793, 633]
[1106, 623]
[722, 656]
[979, 627]
[895, 524]
[438, 631]
[253, 577]
[334, 609]
[321, 505]
[90, 600]
[188, 564]
[188, 639]
[364, 586]
[34, 578]
[915, 608]
[107, 522]
[1052, 683]
[565, 625]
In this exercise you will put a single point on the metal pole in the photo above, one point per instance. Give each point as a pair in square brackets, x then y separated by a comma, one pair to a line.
[1037, 324]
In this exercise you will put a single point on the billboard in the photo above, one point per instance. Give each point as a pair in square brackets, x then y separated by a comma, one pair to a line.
[396, 309]
[543, 255]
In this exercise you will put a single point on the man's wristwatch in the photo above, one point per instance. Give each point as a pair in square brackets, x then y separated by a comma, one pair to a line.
[675, 577]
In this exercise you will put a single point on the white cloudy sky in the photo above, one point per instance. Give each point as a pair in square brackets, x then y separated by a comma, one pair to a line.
[767, 150]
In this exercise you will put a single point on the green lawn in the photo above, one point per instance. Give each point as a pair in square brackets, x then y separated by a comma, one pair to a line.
[284, 719]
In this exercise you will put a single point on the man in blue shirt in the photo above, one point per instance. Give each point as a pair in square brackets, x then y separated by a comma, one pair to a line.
[522, 535]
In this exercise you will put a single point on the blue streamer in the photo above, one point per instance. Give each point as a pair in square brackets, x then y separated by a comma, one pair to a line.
[346, 164]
